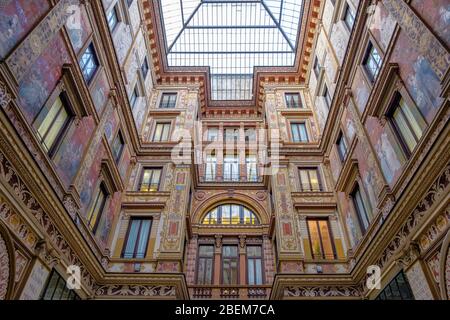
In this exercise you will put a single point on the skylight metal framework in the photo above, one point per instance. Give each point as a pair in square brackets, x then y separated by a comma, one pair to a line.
[231, 37]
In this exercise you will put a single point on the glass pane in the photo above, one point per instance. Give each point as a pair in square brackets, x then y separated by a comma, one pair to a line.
[326, 240]
[158, 132]
[131, 240]
[314, 180]
[304, 180]
[361, 209]
[405, 132]
[251, 271]
[201, 271]
[415, 119]
[51, 286]
[316, 247]
[143, 238]
[206, 251]
[258, 270]
[56, 128]
[226, 214]
[208, 271]
[49, 117]
[155, 180]
[59, 289]
[235, 217]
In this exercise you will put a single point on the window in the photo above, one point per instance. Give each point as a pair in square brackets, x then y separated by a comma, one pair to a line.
[231, 168]
[150, 179]
[372, 62]
[144, 68]
[212, 134]
[320, 239]
[341, 147]
[117, 147]
[162, 130]
[210, 174]
[230, 262]
[205, 265]
[168, 100]
[299, 133]
[129, 3]
[112, 18]
[254, 265]
[252, 173]
[96, 210]
[408, 123]
[397, 289]
[230, 214]
[56, 289]
[232, 134]
[361, 208]
[52, 123]
[316, 67]
[133, 98]
[137, 238]
[309, 179]
[89, 63]
[250, 135]
[327, 96]
[292, 100]
[349, 17]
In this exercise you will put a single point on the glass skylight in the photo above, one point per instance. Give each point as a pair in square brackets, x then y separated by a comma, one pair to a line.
[231, 37]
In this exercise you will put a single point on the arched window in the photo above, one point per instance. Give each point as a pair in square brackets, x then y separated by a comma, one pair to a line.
[230, 214]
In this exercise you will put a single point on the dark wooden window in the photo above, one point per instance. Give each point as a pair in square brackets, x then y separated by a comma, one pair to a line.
[56, 289]
[137, 238]
[361, 208]
[327, 96]
[316, 67]
[112, 18]
[299, 133]
[52, 123]
[372, 62]
[96, 209]
[254, 265]
[342, 147]
[150, 179]
[89, 63]
[230, 264]
[162, 131]
[144, 68]
[205, 264]
[349, 17]
[168, 100]
[129, 2]
[134, 96]
[409, 124]
[292, 100]
[397, 289]
[320, 239]
[117, 147]
[310, 179]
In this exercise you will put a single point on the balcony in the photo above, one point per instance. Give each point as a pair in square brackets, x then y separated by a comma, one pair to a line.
[237, 292]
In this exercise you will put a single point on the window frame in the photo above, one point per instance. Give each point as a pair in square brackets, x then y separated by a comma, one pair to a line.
[212, 258]
[115, 10]
[341, 138]
[247, 258]
[236, 258]
[292, 124]
[153, 168]
[71, 292]
[96, 56]
[348, 11]
[319, 179]
[394, 105]
[330, 234]
[357, 189]
[162, 122]
[102, 188]
[293, 94]
[371, 44]
[395, 281]
[117, 157]
[167, 105]
[125, 242]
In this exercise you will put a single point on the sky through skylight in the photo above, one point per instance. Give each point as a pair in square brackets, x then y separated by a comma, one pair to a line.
[231, 37]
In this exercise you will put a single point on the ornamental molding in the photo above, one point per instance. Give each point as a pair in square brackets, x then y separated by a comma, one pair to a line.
[322, 292]
[136, 291]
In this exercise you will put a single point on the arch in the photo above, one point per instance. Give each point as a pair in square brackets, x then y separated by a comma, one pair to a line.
[230, 214]
[7, 264]
[444, 274]
[237, 198]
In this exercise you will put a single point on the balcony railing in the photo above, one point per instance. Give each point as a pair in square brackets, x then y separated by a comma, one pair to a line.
[306, 187]
[230, 178]
[230, 292]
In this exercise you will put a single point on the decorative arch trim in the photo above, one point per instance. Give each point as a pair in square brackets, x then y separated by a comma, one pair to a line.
[7, 263]
[224, 198]
[444, 274]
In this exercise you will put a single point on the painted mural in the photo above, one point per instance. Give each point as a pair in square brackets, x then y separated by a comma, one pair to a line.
[79, 34]
[100, 92]
[435, 13]
[382, 26]
[87, 188]
[17, 18]
[107, 219]
[350, 219]
[42, 78]
[421, 82]
[70, 153]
